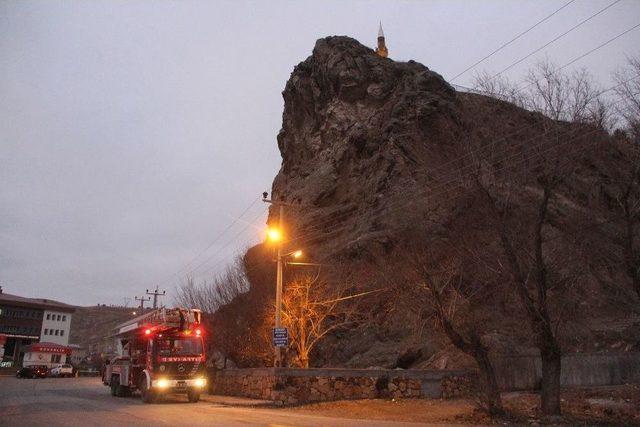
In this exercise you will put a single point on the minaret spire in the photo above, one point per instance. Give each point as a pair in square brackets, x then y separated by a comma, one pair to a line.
[382, 47]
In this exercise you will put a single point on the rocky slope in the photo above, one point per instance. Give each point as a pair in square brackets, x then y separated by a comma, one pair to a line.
[374, 150]
[91, 327]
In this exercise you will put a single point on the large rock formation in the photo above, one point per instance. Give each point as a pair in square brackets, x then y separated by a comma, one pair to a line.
[370, 146]
[373, 149]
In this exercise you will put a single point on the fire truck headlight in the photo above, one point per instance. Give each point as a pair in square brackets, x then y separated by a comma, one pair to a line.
[200, 382]
[161, 383]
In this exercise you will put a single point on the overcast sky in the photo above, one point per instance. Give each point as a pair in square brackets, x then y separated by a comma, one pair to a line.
[133, 133]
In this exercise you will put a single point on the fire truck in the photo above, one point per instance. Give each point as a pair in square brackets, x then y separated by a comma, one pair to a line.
[158, 353]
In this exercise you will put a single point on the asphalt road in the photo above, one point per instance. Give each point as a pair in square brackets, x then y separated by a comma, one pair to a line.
[86, 402]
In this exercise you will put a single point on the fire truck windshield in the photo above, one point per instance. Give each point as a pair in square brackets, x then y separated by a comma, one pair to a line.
[179, 346]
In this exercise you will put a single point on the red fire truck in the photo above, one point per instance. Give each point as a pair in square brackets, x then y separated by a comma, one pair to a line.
[159, 352]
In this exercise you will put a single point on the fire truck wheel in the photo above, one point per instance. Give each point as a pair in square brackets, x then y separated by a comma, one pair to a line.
[148, 396]
[193, 396]
[123, 391]
[113, 385]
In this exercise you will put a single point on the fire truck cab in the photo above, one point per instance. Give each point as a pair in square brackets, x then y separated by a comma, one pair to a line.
[160, 352]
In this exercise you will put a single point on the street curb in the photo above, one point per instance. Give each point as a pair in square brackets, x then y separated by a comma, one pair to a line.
[237, 402]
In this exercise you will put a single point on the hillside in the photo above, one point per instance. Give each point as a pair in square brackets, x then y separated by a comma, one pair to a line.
[381, 156]
[92, 326]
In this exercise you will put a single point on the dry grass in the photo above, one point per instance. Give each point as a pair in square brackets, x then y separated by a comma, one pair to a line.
[619, 405]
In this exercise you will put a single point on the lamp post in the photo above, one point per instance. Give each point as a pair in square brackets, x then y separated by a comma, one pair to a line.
[278, 352]
[275, 235]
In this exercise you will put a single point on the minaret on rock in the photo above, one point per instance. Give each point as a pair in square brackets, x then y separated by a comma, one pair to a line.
[382, 47]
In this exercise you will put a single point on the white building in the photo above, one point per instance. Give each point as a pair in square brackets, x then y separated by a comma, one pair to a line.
[56, 326]
[46, 354]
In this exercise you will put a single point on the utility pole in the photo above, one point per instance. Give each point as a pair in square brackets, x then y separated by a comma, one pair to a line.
[142, 299]
[279, 287]
[278, 354]
[155, 296]
[280, 261]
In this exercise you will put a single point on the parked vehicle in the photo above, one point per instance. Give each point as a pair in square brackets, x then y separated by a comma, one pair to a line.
[159, 353]
[65, 370]
[32, 372]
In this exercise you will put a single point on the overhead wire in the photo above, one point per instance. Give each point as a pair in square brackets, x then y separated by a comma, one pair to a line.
[489, 147]
[584, 21]
[512, 40]
[345, 215]
[234, 238]
[454, 176]
[186, 267]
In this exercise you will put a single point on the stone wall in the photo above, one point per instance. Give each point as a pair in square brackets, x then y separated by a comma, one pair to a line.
[595, 369]
[291, 386]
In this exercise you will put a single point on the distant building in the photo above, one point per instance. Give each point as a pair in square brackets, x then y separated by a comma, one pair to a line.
[56, 326]
[46, 354]
[26, 321]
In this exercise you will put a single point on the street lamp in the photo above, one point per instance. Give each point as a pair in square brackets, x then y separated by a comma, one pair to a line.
[274, 235]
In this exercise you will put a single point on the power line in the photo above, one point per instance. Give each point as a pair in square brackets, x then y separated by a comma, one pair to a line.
[345, 215]
[513, 39]
[516, 163]
[557, 38]
[455, 175]
[249, 224]
[589, 52]
[488, 147]
[218, 236]
[523, 159]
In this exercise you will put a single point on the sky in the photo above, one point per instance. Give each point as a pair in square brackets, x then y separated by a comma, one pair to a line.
[134, 134]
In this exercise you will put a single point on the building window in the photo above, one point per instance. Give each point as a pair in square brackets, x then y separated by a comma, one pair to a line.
[58, 317]
[56, 334]
[56, 358]
[62, 333]
[48, 316]
[46, 331]
[64, 318]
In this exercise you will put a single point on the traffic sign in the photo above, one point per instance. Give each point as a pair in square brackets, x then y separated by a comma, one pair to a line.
[280, 337]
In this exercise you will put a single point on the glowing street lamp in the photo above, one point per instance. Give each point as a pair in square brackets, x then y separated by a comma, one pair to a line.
[274, 235]
[296, 254]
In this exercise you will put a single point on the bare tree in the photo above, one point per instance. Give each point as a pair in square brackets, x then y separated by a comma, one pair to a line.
[534, 265]
[630, 203]
[223, 288]
[622, 189]
[549, 90]
[459, 304]
[628, 92]
[312, 309]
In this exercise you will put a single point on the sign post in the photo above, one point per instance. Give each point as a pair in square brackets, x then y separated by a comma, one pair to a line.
[280, 337]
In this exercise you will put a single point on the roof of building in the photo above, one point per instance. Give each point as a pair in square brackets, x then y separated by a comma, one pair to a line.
[380, 32]
[42, 303]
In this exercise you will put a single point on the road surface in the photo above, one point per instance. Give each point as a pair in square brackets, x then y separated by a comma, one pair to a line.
[86, 402]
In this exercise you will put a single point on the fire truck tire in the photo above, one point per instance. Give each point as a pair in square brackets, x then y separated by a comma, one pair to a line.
[114, 384]
[123, 391]
[193, 396]
[148, 396]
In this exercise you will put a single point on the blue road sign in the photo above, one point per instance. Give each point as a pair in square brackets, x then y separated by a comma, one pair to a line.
[280, 337]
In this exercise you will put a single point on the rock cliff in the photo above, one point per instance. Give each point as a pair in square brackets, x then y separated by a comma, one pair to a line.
[373, 149]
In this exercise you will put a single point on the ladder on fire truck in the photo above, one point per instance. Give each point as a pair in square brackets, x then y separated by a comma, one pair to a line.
[162, 318]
